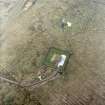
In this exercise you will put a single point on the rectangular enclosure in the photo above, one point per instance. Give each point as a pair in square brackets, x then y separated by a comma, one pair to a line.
[57, 58]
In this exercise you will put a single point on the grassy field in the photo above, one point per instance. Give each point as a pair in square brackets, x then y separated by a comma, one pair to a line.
[27, 38]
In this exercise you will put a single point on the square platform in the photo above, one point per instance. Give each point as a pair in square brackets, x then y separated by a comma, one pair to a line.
[57, 58]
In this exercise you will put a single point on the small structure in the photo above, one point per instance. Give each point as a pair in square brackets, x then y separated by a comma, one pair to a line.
[65, 23]
[57, 59]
